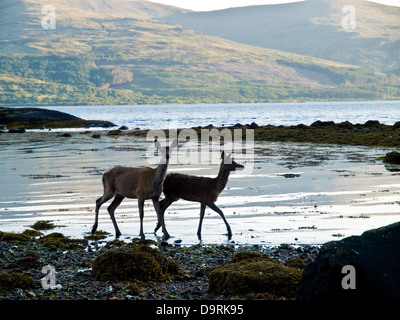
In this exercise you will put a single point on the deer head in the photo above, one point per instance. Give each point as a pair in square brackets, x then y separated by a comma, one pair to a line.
[165, 151]
[229, 164]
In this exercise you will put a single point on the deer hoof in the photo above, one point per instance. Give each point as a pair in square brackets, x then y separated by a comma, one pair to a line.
[166, 236]
[157, 227]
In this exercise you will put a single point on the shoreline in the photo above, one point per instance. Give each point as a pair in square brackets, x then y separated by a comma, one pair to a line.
[76, 277]
[308, 193]
[370, 134]
[72, 260]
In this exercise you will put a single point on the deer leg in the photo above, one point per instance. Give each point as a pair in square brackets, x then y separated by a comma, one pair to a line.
[161, 203]
[99, 202]
[202, 211]
[141, 215]
[164, 204]
[157, 205]
[219, 211]
[111, 208]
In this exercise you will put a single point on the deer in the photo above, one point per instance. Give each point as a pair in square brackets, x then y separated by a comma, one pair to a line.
[198, 189]
[134, 183]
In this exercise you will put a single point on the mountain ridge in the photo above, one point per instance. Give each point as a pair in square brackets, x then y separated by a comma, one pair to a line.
[311, 27]
[103, 53]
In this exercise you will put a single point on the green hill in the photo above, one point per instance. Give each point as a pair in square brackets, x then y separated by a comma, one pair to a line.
[120, 52]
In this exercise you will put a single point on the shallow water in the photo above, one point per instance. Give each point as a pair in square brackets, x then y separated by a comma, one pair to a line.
[295, 193]
[192, 115]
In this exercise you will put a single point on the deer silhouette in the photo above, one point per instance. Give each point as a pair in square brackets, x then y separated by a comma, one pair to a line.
[198, 189]
[134, 183]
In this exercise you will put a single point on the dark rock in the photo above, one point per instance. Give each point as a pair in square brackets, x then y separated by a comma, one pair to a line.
[114, 133]
[253, 125]
[65, 135]
[96, 136]
[376, 261]
[320, 123]
[290, 175]
[371, 124]
[392, 157]
[123, 128]
[396, 125]
[345, 125]
[97, 125]
[19, 130]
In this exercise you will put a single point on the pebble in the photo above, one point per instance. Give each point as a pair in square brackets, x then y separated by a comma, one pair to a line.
[75, 279]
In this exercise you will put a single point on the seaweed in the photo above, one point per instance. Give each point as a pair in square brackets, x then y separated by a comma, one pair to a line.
[13, 280]
[134, 262]
[43, 225]
[14, 237]
[252, 272]
[98, 235]
[57, 240]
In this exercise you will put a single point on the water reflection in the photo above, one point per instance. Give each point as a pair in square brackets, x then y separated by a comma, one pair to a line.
[296, 191]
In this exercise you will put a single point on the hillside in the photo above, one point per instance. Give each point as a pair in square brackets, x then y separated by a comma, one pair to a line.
[120, 52]
[312, 27]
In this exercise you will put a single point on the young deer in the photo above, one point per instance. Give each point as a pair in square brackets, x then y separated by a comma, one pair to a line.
[134, 183]
[199, 189]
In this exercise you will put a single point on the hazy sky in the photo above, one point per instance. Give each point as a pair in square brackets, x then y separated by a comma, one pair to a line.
[208, 5]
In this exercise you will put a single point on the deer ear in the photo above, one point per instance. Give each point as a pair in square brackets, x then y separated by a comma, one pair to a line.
[157, 144]
[174, 144]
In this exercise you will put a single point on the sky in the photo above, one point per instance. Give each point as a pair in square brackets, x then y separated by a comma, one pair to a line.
[208, 5]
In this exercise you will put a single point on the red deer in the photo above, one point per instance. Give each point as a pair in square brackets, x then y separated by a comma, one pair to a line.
[198, 189]
[134, 183]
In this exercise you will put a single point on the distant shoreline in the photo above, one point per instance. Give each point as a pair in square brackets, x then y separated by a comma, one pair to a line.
[38, 118]
[371, 133]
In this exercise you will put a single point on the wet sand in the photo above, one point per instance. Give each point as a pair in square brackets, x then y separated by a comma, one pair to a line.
[297, 193]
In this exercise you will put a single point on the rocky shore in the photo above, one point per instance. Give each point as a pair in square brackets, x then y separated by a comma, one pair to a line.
[39, 264]
[31, 260]
[371, 133]
[16, 120]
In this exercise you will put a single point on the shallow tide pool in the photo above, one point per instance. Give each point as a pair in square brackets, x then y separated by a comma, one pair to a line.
[291, 193]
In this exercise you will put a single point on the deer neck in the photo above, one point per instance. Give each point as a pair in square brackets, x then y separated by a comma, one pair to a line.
[222, 178]
[161, 172]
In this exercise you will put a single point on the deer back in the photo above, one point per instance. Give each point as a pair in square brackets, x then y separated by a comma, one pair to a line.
[125, 180]
[190, 188]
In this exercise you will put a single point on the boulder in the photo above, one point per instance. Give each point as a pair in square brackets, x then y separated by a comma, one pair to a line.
[375, 259]
[253, 125]
[371, 124]
[320, 123]
[345, 125]
[396, 125]
[392, 157]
